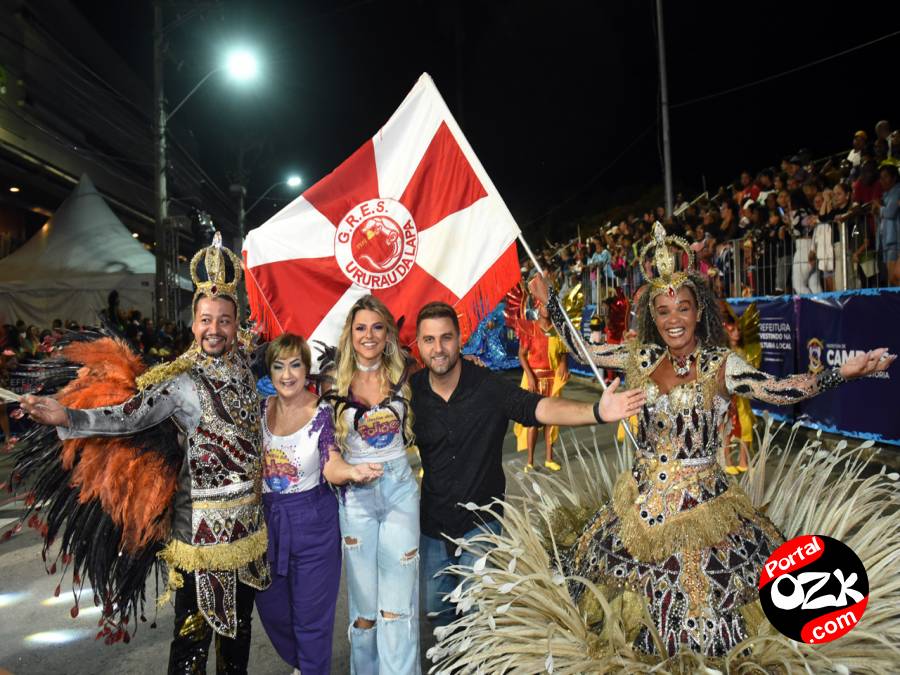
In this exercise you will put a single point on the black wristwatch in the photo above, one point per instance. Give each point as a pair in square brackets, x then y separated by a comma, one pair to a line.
[597, 417]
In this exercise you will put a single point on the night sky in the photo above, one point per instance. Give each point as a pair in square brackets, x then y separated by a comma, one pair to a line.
[558, 99]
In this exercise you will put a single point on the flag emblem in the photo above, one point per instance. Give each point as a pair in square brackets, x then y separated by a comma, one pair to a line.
[376, 242]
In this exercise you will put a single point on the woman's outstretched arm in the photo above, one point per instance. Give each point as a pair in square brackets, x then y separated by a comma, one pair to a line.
[739, 377]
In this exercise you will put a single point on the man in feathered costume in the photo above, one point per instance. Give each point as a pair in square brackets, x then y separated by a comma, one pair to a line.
[166, 469]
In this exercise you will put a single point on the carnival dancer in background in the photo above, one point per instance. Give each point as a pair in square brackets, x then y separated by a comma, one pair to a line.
[141, 495]
[379, 519]
[301, 511]
[743, 339]
[544, 372]
[678, 537]
[494, 343]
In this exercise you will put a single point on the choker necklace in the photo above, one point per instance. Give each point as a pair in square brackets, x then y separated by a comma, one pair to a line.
[682, 364]
[367, 369]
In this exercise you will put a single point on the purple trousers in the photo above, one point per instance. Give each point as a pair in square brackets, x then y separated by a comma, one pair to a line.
[297, 610]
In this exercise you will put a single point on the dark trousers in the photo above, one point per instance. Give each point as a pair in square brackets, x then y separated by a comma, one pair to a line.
[189, 650]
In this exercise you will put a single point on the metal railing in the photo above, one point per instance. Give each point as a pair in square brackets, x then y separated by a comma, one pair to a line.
[598, 282]
[832, 256]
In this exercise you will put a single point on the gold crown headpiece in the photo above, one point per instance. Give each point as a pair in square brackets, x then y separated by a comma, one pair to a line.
[667, 279]
[216, 284]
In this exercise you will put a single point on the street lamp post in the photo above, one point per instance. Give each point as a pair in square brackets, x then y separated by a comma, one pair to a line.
[161, 307]
[242, 66]
[240, 191]
[664, 105]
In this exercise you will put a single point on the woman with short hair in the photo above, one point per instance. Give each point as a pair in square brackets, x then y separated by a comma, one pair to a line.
[300, 458]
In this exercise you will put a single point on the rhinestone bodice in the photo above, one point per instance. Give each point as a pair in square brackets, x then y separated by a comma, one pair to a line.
[678, 435]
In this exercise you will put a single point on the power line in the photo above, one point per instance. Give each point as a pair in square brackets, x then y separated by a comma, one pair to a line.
[739, 87]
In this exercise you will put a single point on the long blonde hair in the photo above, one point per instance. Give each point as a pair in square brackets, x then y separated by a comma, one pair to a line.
[393, 364]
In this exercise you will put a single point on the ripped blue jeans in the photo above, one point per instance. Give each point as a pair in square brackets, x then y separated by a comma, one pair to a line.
[380, 534]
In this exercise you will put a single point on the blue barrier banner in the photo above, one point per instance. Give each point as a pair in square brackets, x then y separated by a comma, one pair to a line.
[834, 328]
[826, 329]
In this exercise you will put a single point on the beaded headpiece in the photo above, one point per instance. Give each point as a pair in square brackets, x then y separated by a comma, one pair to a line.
[216, 284]
[667, 280]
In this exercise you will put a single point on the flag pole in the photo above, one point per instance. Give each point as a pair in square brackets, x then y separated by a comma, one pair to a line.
[579, 340]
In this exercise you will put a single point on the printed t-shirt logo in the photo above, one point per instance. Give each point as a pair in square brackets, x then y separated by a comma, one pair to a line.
[379, 427]
[278, 472]
[376, 243]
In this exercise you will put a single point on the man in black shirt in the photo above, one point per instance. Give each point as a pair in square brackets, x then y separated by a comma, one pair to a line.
[462, 412]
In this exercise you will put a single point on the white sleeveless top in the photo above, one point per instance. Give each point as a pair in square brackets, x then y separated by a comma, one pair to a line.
[294, 463]
[378, 437]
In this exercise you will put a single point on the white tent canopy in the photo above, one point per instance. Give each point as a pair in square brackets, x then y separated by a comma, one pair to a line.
[69, 267]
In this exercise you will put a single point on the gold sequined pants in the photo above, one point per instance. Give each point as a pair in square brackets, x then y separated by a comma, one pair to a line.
[189, 650]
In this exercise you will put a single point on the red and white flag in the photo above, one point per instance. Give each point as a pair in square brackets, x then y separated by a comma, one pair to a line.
[410, 217]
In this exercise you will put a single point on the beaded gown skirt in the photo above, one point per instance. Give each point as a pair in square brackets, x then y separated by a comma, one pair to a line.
[679, 532]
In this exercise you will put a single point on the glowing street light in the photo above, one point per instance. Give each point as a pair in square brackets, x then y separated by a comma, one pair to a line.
[242, 65]
[294, 181]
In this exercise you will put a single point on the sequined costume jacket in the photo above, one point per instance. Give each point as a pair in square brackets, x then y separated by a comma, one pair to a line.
[218, 532]
[678, 531]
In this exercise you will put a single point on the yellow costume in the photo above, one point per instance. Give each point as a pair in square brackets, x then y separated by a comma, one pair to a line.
[547, 386]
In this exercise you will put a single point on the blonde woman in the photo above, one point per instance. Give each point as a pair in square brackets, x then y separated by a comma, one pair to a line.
[379, 520]
[299, 456]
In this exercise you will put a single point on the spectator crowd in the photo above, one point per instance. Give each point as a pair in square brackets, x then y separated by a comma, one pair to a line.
[805, 226]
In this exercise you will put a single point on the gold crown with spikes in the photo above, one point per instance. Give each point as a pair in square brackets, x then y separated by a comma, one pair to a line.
[216, 284]
[667, 279]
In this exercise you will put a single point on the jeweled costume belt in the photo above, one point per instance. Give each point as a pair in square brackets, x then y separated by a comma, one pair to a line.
[647, 456]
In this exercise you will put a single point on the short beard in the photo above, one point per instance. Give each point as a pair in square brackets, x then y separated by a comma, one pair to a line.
[225, 347]
[452, 360]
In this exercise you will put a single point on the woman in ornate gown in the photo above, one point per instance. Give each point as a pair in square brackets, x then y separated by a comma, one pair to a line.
[678, 537]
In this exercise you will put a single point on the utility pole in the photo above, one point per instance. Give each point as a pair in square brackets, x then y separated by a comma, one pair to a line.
[238, 188]
[161, 306]
[664, 99]
[240, 191]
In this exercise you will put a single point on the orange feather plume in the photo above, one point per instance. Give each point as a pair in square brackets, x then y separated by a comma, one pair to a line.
[135, 488]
